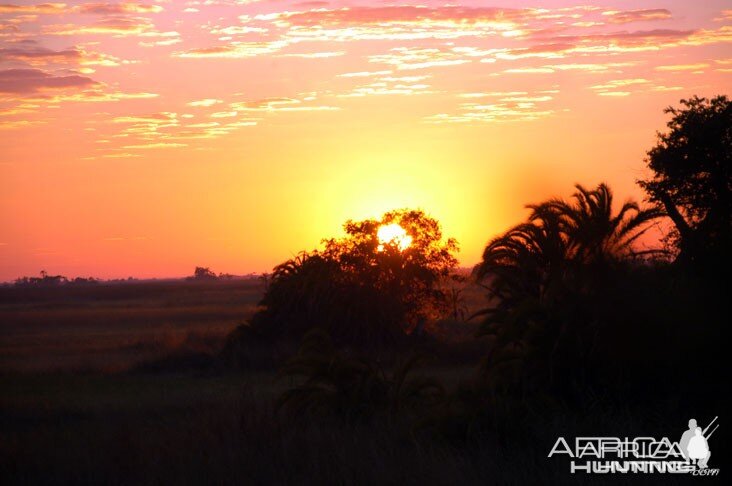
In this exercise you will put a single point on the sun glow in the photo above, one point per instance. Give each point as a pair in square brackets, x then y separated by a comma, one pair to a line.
[393, 234]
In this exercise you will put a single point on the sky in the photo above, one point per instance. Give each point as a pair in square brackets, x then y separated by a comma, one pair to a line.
[144, 139]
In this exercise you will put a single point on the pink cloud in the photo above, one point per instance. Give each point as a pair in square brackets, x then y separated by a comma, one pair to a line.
[626, 16]
[34, 80]
[42, 8]
[118, 8]
[109, 25]
[402, 14]
[35, 54]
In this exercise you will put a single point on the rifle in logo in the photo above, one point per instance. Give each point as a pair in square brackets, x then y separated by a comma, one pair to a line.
[694, 443]
[707, 428]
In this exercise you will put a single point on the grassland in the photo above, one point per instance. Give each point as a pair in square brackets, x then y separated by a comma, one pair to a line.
[101, 385]
[116, 326]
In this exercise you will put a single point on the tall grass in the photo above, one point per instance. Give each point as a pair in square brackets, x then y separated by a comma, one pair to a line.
[177, 429]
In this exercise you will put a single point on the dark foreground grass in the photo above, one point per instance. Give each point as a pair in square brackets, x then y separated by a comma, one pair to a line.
[188, 428]
[170, 413]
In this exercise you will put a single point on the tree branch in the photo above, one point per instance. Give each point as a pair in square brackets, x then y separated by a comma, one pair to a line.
[675, 215]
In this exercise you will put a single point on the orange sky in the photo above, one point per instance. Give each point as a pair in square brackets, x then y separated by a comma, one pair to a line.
[146, 139]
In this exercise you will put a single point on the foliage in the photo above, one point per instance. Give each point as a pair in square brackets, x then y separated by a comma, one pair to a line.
[202, 273]
[363, 292]
[692, 178]
[46, 280]
[549, 277]
[338, 385]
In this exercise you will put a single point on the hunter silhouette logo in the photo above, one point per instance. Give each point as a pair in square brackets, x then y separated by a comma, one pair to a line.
[604, 455]
[694, 443]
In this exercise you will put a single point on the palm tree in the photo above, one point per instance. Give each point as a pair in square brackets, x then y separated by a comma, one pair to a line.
[527, 258]
[548, 278]
[594, 233]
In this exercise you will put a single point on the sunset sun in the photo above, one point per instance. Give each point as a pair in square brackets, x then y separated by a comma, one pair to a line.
[395, 234]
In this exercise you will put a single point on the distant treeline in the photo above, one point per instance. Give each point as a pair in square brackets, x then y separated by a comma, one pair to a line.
[200, 274]
[46, 280]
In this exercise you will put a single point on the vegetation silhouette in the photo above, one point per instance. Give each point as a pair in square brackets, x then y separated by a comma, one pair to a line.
[365, 293]
[577, 305]
[341, 386]
[203, 273]
[46, 280]
[692, 181]
[548, 277]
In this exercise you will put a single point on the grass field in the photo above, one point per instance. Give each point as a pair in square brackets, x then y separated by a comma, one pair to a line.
[92, 393]
[190, 428]
[113, 327]
[82, 401]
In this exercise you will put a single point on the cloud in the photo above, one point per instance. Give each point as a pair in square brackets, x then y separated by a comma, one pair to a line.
[116, 26]
[87, 8]
[35, 80]
[42, 8]
[579, 67]
[8, 29]
[154, 145]
[500, 107]
[627, 16]
[551, 50]
[407, 14]
[614, 93]
[391, 85]
[724, 16]
[205, 102]
[363, 74]
[163, 118]
[619, 87]
[119, 26]
[642, 40]
[15, 124]
[316, 55]
[34, 55]
[117, 8]
[407, 58]
[280, 105]
[450, 23]
[39, 55]
[119, 155]
[683, 67]
[233, 51]
[397, 22]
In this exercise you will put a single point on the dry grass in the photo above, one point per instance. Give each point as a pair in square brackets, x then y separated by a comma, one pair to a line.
[221, 429]
[114, 327]
[65, 419]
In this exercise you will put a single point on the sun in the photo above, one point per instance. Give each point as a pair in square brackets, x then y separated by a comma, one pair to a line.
[395, 234]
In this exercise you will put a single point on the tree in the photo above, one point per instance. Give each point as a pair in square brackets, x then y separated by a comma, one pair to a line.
[594, 234]
[549, 276]
[203, 273]
[692, 179]
[363, 291]
[560, 237]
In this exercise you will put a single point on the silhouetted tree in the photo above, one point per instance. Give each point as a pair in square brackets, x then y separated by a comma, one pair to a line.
[203, 273]
[362, 291]
[45, 280]
[594, 234]
[548, 277]
[692, 179]
[559, 236]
